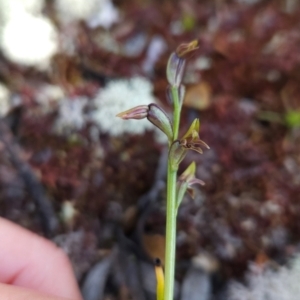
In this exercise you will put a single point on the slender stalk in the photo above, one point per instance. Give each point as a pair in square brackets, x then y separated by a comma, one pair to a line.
[171, 210]
[170, 235]
[177, 110]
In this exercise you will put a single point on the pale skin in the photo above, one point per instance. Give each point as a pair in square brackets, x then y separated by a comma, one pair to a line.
[32, 268]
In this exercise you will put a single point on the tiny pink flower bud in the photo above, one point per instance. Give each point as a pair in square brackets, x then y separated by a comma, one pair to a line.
[137, 113]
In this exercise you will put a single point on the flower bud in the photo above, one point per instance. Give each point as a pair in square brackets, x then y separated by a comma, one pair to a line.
[185, 182]
[175, 68]
[160, 119]
[191, 139]
[189, 175]
[184, 49]
[137, 113]
[193, 130]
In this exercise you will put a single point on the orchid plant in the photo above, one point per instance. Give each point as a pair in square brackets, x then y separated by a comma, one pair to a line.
[178, 148]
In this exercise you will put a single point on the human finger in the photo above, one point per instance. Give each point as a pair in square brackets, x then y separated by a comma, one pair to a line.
[30, 261]
[9, 292]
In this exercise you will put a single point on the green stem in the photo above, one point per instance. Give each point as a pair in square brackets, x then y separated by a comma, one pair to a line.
[177, 110]
[171, 209]
[170, 234]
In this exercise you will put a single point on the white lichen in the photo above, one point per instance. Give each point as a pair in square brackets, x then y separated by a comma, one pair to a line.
[282, 284]
[75, 10]
[106, 15]
[71, 115]
[94, 12]
[118, 96]
[10, 8]
[29, 40]
[48, 96]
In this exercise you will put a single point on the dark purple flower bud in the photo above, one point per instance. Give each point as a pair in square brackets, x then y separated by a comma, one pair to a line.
[160, 119]
[175, 68]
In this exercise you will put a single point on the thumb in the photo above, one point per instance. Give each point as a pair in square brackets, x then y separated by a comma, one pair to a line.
[10, 292]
